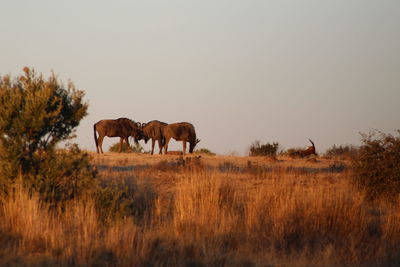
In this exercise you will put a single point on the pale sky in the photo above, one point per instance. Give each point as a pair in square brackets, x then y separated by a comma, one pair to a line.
[275, 71]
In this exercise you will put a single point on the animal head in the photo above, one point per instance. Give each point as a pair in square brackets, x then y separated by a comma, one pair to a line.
[193, 145]
[138, 135]
[146, 138]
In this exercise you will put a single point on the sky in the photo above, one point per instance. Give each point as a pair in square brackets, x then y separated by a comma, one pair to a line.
[239, 71]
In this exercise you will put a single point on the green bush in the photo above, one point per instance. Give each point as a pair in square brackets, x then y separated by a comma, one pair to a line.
[204, 151]
[36, 114]
[120, 198]
[62, 175]
[343, 151]
[377, 165]
[136, 148]
[258, 149]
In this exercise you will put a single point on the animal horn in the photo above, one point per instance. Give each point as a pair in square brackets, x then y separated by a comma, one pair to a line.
[197, 140]
[311, 142]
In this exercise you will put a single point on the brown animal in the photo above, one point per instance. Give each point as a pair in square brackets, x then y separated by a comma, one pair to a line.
[304, 153]
[121, 127]
[181, 131]
[154, 130]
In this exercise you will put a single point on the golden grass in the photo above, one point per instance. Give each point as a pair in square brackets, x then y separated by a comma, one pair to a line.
[216, 211]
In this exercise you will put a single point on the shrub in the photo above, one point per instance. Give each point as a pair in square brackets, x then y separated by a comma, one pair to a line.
[65, 175]
[136, 148]
[115, 199]
[36, 114]
[377, 165]
[258, 149]
[204, 151]
[347, 151]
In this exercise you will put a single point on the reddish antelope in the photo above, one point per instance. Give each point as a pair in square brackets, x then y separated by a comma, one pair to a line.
[154, 130]
[305, 152]
[121, 127]
[182, 131]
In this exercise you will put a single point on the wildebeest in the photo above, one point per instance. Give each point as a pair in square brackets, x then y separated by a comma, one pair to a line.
[181, 131]
[121, 127]
[305, 152]
[154, 130]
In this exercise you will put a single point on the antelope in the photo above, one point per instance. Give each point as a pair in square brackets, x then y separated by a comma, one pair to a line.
[305, 152]
[121, 127]
[154, 130]
[181, 131]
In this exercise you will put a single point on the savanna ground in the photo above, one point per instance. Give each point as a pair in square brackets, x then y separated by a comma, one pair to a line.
[209, 211]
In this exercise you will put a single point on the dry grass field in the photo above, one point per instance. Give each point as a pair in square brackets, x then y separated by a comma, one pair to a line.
[209, 211]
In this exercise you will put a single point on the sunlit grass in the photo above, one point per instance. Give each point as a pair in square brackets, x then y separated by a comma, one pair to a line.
[215, 211]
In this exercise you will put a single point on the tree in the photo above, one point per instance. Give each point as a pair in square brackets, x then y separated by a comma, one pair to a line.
[36, 114]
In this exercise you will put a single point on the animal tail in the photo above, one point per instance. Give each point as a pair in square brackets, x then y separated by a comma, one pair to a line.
[95, 138]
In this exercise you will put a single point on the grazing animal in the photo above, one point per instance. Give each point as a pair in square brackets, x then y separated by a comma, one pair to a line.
[154, 130]
[181, 131]
[121, 127]
[305, 152]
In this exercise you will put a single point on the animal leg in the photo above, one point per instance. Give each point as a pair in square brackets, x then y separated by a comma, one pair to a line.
[184, 147]
[166, 145]
[96, 140]
[153, 142]
[127, 142]
[101, 143]
[160, 145]
[121, 141]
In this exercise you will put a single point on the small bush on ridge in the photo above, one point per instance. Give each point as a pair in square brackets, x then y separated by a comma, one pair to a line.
[136, 148]
[258, 149]
[347, 151]
[204, 151]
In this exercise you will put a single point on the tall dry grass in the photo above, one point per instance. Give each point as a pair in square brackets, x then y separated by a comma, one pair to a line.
[204, 216]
